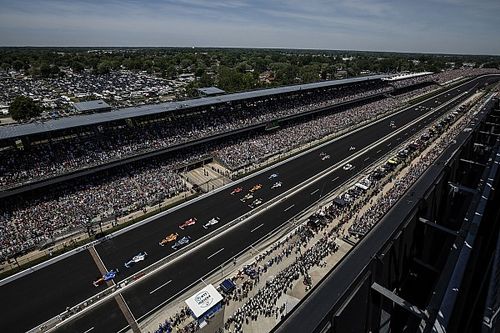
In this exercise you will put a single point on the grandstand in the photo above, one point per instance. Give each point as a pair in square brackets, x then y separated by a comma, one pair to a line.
[107, 165]
[81, 142]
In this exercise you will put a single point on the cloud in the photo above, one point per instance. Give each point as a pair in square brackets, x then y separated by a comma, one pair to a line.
[428, 25]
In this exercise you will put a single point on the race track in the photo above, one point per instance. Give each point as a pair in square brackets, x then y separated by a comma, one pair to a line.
[38, 296]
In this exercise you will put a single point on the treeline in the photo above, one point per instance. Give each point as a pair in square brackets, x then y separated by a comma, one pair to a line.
[230, 69]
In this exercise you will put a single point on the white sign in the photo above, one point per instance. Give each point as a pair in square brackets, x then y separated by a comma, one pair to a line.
[203, 300]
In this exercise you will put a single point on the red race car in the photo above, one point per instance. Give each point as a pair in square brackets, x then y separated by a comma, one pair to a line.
[187, 223]
[236, 190]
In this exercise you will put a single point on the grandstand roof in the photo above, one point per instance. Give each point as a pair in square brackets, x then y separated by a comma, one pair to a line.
[406, 76]
[92, 106]
[37, 127]
[208, 91]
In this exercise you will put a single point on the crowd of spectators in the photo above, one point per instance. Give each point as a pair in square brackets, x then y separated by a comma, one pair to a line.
[405, 97]
[175, 321]
[256, 148]
[24, 224]
[455, 74]
[55, 157]
[368, 219]
[265, 302]
[412, 81]
[27, 222]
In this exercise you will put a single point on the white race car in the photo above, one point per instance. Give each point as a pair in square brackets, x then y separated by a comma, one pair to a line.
[274, 175]
[255, 203]
[347, 166]
[276, 185]
[139, 257]
[247, 197]
[212, 222]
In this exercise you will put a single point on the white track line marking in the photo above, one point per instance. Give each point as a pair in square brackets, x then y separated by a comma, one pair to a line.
[389, 144]
[289, 208]
[163, 285]
[213, 254]
[90, 329]
[366, 159]
[314, 191]
[257, 227]
[378, 151]
[334, 179]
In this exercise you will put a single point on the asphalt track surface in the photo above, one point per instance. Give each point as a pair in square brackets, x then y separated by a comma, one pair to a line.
[38, 296]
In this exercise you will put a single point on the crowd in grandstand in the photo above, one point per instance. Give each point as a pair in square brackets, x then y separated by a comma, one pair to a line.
[30, 222]
[416, 93]
[25, 224]
[133, 188]
[457, 74]
[256, 148]
[91, 148]
[53, 158]
[412, 81]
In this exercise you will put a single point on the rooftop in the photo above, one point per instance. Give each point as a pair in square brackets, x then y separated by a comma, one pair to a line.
[90, 106]
[38, 127]
[210, 91]
[406, 76]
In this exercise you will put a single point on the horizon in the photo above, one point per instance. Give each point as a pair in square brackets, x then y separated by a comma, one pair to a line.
[240, 48]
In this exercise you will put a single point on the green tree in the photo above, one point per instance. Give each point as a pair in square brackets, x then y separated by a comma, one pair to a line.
[24, 108]
[103, 68]
[54, 71]
[77, 67]
[17, 65]
[45, 70]
[230, 80]
[205, 80]
[170, 72]
[199, 71]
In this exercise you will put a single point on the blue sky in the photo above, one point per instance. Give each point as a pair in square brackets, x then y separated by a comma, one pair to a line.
[443, 26]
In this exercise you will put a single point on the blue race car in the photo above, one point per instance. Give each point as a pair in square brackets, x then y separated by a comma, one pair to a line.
[181, 242]
[139, 257]
[106, 277]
